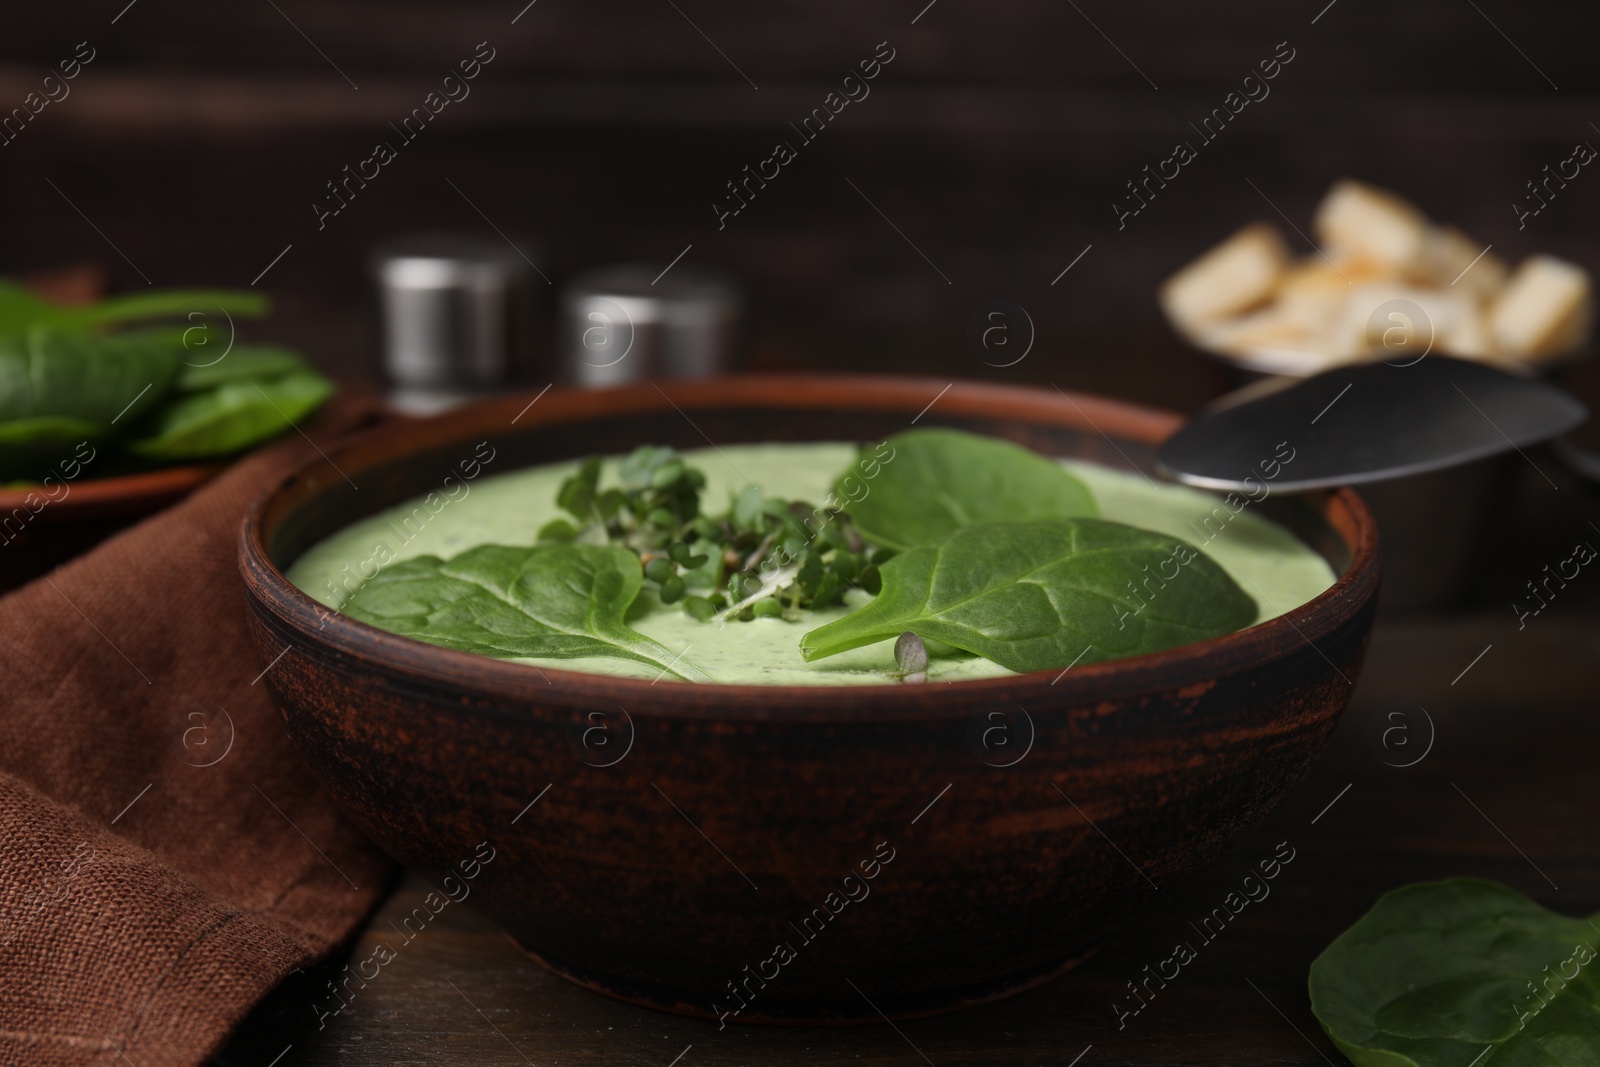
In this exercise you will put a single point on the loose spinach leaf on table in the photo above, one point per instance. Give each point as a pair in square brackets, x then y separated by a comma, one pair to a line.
[230, 416]
[1465, 971]
[559, 601]
[938, 481]
[1039, 595]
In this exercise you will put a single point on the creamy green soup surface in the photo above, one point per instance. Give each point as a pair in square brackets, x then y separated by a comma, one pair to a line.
[1278, 570]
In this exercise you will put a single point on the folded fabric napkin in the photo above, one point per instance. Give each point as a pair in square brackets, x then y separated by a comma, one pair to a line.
[165, 857]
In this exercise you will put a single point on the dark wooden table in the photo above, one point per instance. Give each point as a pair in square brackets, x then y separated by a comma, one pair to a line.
[1504, 792]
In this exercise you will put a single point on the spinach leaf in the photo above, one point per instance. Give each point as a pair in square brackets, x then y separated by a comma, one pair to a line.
[195, 305]
[241, 364]
[63, 380]
[20, 309]
[53, 428]
[938, 481]
[47, 372]
[560, 601]
[230, 416]
[31, 448]
[1039, 595]
[1465, 971]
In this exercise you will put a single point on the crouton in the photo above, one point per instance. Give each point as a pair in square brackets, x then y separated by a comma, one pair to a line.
[1544, 309]
[1233, 277]
[1356, 221]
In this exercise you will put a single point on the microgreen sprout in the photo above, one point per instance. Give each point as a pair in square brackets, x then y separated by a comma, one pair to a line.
[761, 558]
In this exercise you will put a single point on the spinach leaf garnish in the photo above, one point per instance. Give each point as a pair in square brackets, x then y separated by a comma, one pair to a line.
[559, 601]
[939, 480]
[1039, 595]
[1464, 971]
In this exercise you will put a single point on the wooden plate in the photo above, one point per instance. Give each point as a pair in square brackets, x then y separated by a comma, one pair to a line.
[123, 496]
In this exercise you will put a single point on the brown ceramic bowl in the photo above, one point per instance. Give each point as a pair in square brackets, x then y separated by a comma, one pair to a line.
[683, 832]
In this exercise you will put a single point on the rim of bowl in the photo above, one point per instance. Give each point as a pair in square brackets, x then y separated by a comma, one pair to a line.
[432, 667]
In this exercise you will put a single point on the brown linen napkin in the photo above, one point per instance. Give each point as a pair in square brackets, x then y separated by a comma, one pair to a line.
[165, 858]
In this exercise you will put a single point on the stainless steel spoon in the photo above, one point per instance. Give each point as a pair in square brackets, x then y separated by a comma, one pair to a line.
[1367, 422]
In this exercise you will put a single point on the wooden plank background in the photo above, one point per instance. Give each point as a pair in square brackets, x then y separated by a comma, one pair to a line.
[996, 141]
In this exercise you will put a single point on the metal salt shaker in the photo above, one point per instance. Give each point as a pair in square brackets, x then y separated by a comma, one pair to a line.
[630, 322]
[459, 318]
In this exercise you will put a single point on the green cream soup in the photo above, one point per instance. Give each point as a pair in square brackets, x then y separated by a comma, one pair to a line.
[1275, 568]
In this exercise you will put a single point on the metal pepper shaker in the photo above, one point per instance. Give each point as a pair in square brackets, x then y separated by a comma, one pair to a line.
[631, 322]
[458, 317]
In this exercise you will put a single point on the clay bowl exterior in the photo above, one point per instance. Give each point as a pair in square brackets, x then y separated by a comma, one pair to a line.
[796, 850]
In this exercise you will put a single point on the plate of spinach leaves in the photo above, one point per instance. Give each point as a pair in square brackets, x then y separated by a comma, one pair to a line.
[146, 392]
